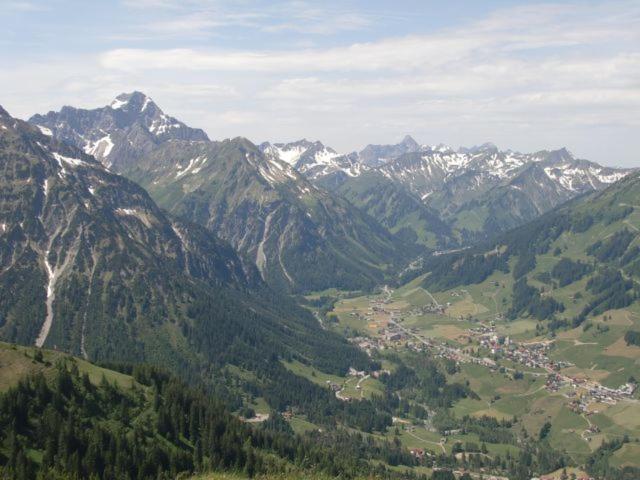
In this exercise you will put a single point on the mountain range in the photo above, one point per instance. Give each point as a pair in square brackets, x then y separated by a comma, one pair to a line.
[476, 191]
[89, 264]
[299, 236]
[568, 266]
[331, 291]
[311, 218]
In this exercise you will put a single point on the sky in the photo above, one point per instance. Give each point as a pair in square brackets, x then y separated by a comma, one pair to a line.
[526, 76]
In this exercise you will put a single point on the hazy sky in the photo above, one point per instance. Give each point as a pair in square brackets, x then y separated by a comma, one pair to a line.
[523, 75]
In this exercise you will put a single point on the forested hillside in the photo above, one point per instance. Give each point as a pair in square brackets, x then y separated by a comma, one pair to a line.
[65, 418]
[90, 265]
[589, 247]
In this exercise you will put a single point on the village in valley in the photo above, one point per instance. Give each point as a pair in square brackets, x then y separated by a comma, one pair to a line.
[517, 370]
[481, 345]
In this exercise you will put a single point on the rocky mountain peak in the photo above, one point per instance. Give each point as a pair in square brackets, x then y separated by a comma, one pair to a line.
[409, 142]
[120, 133]
[560, 155]
[136, 104]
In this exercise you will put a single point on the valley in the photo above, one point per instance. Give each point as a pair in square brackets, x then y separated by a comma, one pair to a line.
[515, 371]
[339, 302]
[336, 240]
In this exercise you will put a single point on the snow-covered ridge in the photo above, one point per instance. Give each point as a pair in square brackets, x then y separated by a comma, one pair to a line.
[444, 163]
[574, 178]
[275, 172]
[426, 169]
[118, 104]
[288, 154]
[163, 124]
[313, 159]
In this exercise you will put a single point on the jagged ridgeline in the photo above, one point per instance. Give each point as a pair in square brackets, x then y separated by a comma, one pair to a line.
[312, 218]
[90, 265]
[576, 262]
[413, 189]
[300, 237]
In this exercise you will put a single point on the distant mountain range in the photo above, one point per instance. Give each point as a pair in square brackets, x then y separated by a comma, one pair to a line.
[477, 191]
[311, 218]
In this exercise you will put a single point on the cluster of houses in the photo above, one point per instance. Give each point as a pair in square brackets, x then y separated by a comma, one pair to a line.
[602, 394]
[590, 392]
[532, 355]
[433, 309]
[483, 330]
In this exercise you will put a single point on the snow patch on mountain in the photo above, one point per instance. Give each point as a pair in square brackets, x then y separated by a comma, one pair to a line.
[313, 159]
[147, 102]
[611, 177]
[288, 154]
[118, 104]
[45, 131]
[163, 124]
[194, 166]
[100, 148]
[68, 161]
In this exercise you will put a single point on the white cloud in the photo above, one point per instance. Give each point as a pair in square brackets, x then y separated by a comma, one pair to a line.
[196, 18]
[526, 77]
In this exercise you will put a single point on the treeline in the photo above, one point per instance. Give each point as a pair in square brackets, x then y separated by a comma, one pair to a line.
[527, 300]
[632, 337]
[422, 383]
[156, 429]
[611, 291]
[599, 466]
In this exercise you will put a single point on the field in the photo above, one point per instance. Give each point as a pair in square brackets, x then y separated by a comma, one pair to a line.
[598, 353]
[17, 362]
[348, 385]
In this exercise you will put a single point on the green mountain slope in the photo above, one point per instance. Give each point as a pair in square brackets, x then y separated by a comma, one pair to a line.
[576, 262]
[90, 265]
[397, 209]
[64, 418]
[300, 237]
